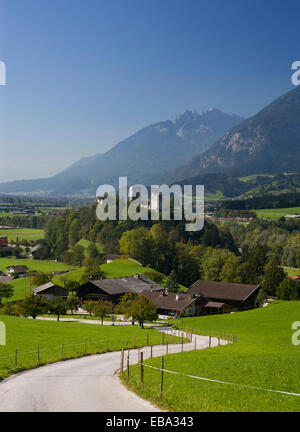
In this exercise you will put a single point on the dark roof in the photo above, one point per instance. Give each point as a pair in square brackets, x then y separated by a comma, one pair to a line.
[214, 304]
[6, 279]
[113, 257]
[171, 301]
[18, 268]
[117, 286]
[36, 248]
[48, 286]
[222, 290]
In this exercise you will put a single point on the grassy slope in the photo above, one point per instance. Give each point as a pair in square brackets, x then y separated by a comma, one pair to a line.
[22, 234]
[26, 335]
[85, 244]
[264, 356]
[291, 271]
[118, 268]
[21, 285]
[276, 213]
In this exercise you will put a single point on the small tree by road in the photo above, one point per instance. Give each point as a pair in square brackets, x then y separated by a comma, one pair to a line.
[125, 305]
[73, 304]
[58, 306]
[33, 306]
[6, 291]
[102, 308]
[142, 309]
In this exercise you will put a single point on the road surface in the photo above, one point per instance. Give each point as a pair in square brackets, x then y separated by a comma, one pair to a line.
[88, 384]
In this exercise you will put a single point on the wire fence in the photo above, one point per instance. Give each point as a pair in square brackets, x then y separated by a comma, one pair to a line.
[20, 359]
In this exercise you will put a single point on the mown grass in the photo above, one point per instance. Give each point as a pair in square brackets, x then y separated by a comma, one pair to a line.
[118, 268]
[86, 243]
[291, 271]
[275, 214]
[22, 234]
[22, 285]
[26, 335]
[264, 356]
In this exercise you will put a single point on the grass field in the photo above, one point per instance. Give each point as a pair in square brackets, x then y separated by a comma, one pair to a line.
[21, 285]
[276, 213]
[26, 335]
[85, 244]
[291, 271]
[264, 356]
[22, 234]
[118, 268]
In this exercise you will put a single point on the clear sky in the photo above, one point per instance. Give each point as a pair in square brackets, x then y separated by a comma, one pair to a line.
[84, 74]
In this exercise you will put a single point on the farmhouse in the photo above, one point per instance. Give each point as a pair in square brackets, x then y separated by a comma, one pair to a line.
[36, 250]
[3, 242]
[175, 304]
[114, 288]
[6, 279]
[221, 297]
[50, 290]
[111, 258]
[20, 269]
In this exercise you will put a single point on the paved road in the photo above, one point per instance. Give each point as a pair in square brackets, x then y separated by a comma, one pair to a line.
[88, 384]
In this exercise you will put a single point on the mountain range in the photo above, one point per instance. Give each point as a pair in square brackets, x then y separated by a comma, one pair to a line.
[144, 157]
[268, 142]
[190, 146]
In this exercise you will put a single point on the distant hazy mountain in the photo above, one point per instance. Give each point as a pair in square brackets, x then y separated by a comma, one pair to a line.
[269, 142]
[144, 157]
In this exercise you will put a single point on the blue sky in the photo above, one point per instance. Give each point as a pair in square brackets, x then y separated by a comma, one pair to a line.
[84, 74]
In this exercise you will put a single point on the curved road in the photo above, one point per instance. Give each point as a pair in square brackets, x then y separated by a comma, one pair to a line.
[87, 384]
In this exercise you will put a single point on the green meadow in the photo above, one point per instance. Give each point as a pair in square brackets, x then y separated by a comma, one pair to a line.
[22, 285]
[275, 214]
[22, 234]
[263, 356]
[39, 342]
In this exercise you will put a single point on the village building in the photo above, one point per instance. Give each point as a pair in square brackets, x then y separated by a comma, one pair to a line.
[112, 258]
[6, 279]
[50, 290]
[174, 305]
[220, 297]
[20, 270]
[114, 288]
[3, 242]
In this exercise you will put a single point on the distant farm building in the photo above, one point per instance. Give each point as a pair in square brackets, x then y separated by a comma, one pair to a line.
[21, 270]
[111, 258]
[50, 290]
[223, 297]
[3, 242]
[114, 288]
[174, 304]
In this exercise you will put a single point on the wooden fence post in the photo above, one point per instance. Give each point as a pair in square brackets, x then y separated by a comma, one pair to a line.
[128, 364]
[209, 343]
[142, 367]
[122, 361]
[16, 357]
[162, 377]
[219, 341]
[182, 343]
